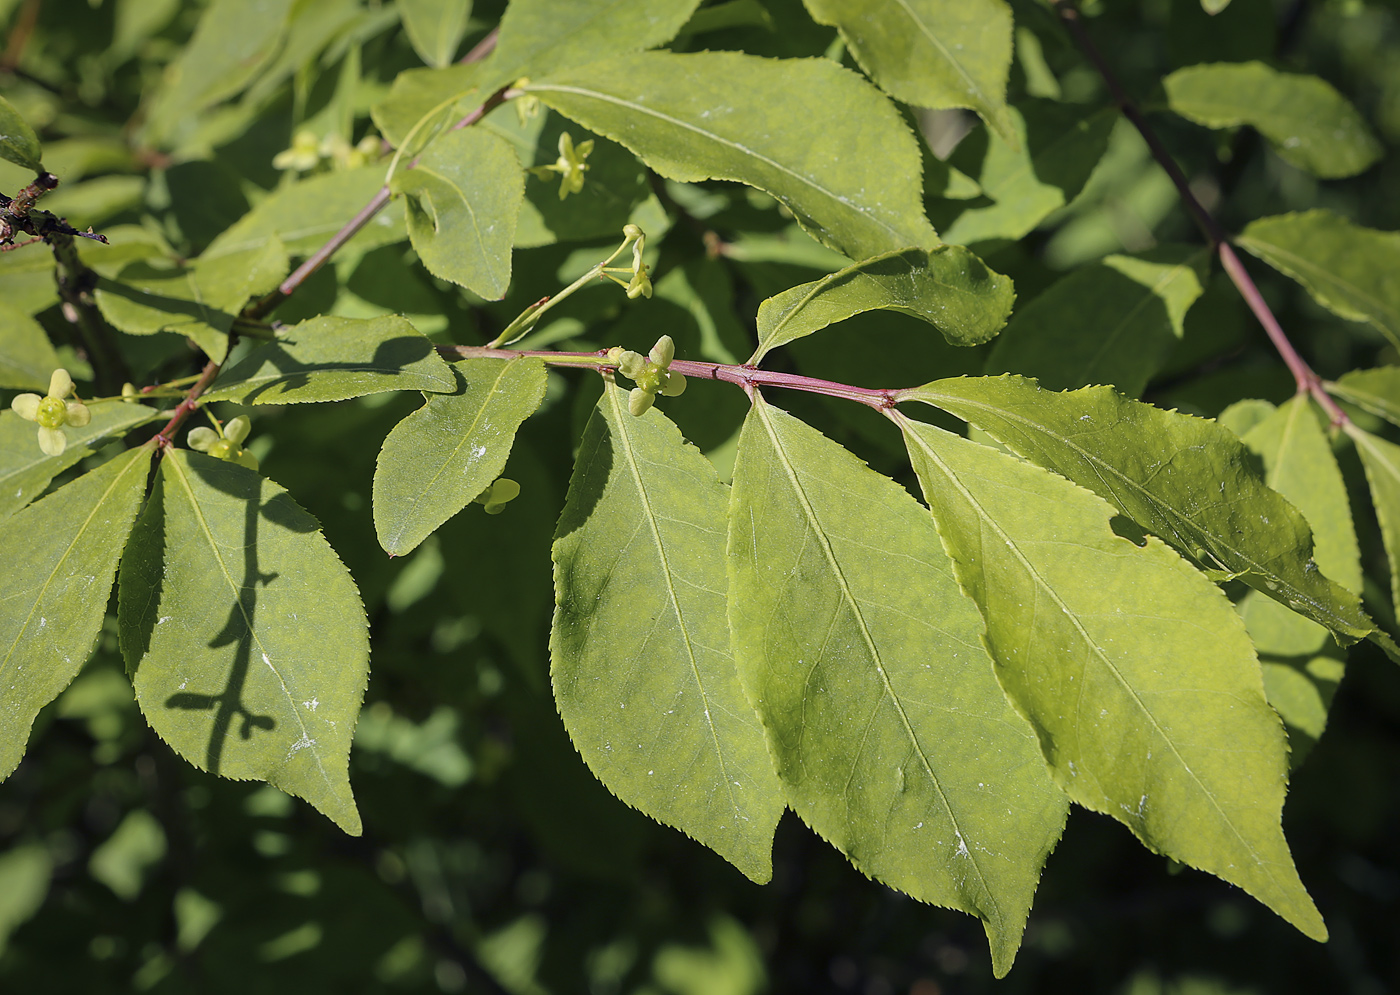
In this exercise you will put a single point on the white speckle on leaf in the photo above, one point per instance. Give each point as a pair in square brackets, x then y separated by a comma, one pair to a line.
[300, 745]
[311, 705]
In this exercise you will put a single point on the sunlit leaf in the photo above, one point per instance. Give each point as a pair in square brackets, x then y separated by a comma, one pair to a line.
[244, 632]
[640, 652]
[463, 198]
[1134, 669]
[1378, 391]
[1112, 322]
[1304, 118]
[60, 556]
[450, 450]
[932, 53]
[331, 359]
[18, 143]
[949, 287]
[1348, 269]
[1381, 459]
[26, 355]
[1187, 480]
[865, 662]
[25, 469]
[853, 183]
[435, 27]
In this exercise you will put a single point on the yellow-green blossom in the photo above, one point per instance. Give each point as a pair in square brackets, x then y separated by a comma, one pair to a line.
[228, 446]
[501, 492]
[570, 165]
[52, 412]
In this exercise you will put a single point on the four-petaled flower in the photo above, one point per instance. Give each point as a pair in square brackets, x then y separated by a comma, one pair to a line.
[229, 445]
[52, 412]
[570, 165]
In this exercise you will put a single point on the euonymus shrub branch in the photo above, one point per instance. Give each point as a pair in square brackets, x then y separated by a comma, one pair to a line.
[929, 685]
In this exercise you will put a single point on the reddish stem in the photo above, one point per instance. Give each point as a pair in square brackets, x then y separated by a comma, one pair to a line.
[166, 436]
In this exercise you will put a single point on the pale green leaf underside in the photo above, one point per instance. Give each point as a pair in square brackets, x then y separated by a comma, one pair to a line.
[1057, 147]
[1378, 391]
[949, 287]
[864, 661]
[435, 27]
[932, 53]
[26, 354]
[1350, 270]
[1381, 459]
[244, 632]
[1134, 669]
[331, 359]
[463, 199]
[18, 143]
[1300, 465]
[1112, 322]
[1187, 480]
[450, 450]
[640, 651]
[1304, 118]
[305, 214]
[60, 555]
[25, 469]
[854, 184]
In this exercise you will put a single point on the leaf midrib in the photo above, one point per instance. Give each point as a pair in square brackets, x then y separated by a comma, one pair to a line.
[1380, 311]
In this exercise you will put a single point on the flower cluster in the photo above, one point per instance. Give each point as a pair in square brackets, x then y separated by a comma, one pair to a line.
[225, 446]
[308, 152]
[652, 374]
[52, 412]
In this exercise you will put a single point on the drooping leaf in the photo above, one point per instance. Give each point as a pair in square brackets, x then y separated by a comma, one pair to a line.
[1378, 391]
[435, 27]
[198, 301]
[60, 556]
[447, 452]
[536, 36]
[1304, 118]
[1059, 146]
[1350, 270]
[864, 661]
[1112, 322]
[854, 184]
[26, 354]
[640, 654]
[1187, 480]
[949, 287]
[1381, 459]
[331, 359]
[932, 53]
[305, 214]
[18, 143]
[25, 469]
[1135, 670]
[463, 200]
[234, 40]
[244, 632]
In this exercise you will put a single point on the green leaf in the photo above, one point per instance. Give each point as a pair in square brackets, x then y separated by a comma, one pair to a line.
[198, 301]
[435, 27]
[447, 452]
[235, 39]
[853, 184]
[26, 355]
[25, 873]
[18, 143]
[1214, 6]
[1188, 480]
[60, 556]
[1347, 269]
[1382, 462]
[949, 287]
[640, 652]
[244, 633]
[1378, 391]
[1134, 669]
[25, 470]
[331, 359]
[26, 279]
[305, 214]
[1059, 146]
[423, 101]
[932, 53]
[463, 200]
[1112, 322]
[1307, 122]
[865, 663]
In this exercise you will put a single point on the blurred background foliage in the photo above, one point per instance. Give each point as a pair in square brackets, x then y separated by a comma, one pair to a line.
[492, 861]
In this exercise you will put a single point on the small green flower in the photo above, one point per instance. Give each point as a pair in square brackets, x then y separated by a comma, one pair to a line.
[570, 165]
[501, 492]
[228, 446]
[304, 154]
[652, 374]
[52, 412]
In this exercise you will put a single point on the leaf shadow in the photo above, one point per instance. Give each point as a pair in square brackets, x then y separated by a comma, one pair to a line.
[219, 320]
[592, 468]
[390, 356]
